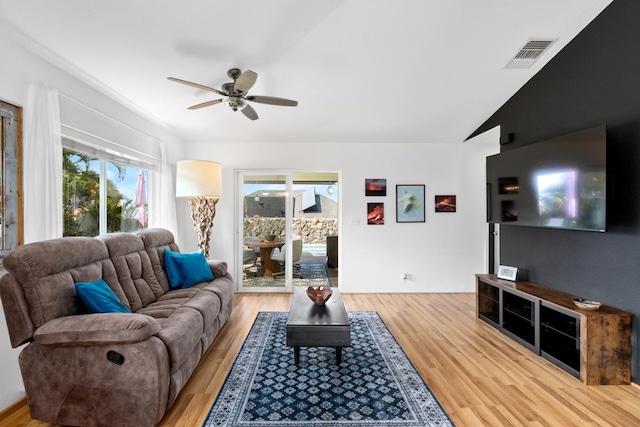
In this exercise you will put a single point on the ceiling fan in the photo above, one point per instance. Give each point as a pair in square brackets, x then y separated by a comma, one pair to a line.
[235, 93]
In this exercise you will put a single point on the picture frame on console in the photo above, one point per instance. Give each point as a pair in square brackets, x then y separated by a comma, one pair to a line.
[507, 272]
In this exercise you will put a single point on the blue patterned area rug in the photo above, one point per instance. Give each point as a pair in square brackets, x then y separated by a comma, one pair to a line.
[375, 386]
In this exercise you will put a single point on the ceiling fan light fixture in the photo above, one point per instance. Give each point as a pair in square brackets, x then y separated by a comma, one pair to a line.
[235, 93]
[235, 103]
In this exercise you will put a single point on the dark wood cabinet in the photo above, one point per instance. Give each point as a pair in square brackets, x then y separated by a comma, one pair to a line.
[488, 302]
[519, 319]
[593, 346]
[560, 338]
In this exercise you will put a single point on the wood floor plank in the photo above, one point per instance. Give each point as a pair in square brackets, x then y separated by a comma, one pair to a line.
[479, 376]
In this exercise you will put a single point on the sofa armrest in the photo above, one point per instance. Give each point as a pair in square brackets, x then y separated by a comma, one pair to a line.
[218, 267]
[97, 329]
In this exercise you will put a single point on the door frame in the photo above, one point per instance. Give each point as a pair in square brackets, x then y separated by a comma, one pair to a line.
[289, 175]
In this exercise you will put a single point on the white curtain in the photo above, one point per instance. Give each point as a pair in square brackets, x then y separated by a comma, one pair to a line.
[164, 211]
[42, 165]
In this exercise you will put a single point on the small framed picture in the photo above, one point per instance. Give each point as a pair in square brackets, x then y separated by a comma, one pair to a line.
[375, 213]
[410, 203]
[445, 203]
[508, 185]
[507, 273]
[375, 187]
[509, 210]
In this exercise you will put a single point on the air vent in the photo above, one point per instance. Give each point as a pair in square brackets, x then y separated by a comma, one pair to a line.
[529, 54]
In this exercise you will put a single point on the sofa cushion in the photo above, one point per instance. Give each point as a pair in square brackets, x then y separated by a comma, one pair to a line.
[206, 303]
[222, 287]
[187, 269]
[133, 269]
[99, 298]
[181, 328]
[156, 240]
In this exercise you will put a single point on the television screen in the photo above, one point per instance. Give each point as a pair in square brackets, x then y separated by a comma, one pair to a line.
[558, 183]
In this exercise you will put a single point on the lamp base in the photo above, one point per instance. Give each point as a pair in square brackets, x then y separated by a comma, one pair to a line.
[203, 210]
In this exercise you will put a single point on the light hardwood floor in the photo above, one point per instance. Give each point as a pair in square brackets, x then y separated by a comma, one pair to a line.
[480, 377]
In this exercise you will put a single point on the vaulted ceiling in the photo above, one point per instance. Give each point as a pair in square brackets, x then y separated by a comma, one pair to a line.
[361, 70]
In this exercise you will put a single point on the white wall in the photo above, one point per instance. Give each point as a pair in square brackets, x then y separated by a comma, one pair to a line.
[440, 255]
[15, 76]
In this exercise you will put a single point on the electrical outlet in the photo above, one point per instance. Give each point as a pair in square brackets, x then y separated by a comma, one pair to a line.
[405, 276]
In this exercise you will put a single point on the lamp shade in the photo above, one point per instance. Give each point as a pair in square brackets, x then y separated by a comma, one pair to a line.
[198, 178]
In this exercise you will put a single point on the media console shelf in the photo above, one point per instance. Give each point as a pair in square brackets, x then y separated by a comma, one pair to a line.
[594, 346]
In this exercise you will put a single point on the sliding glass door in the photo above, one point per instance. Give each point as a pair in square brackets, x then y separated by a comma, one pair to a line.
[285, 219]
[264, 230]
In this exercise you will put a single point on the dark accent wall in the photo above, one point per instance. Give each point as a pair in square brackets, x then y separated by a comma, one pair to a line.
[594, 80]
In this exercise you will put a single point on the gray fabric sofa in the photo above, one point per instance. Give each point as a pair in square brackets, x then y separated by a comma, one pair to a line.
[110, 369]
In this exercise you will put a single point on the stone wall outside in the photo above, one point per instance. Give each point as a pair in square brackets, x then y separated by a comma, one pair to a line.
[313, 231]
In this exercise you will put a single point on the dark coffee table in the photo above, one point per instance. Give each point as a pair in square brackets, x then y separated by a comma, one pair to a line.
[313, 326]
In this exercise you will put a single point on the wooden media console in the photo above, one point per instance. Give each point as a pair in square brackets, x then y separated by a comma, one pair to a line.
[594, 346]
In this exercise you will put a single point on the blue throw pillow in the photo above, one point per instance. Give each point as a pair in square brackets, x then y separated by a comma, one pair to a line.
[171, 265]
[99, 298]
[187, 269]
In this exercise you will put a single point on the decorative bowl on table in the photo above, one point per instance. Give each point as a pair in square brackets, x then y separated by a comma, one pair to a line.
[269, 237]
[586, 304]
[319, 294]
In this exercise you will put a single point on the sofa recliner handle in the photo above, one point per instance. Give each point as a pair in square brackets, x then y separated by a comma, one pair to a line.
[115, 357]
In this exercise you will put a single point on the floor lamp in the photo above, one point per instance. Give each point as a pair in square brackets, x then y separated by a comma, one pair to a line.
[200, 182]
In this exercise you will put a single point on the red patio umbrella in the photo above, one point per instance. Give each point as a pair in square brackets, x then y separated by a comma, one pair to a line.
[140, 199]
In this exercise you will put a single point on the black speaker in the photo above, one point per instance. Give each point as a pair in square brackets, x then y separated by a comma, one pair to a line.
[506, 139]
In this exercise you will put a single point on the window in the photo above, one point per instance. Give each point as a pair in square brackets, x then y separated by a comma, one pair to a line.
[102, 196]
[10, 177]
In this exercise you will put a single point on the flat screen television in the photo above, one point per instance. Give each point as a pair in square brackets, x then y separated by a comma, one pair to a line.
[558, 183]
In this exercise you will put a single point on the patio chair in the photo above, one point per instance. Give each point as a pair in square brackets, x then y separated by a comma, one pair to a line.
[279, 254]
[250, 262]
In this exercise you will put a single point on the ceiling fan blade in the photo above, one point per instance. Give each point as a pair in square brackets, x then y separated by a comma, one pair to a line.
[199, 86]
[205, 104]
[250, 112]
[272, 100]
[245, 81]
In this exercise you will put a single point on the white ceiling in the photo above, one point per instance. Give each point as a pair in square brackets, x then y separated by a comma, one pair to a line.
[362, 70]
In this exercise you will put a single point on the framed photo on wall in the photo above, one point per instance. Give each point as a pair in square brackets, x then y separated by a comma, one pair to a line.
[375, 213]
[410, 203]
[375, 187]
[445, 203]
